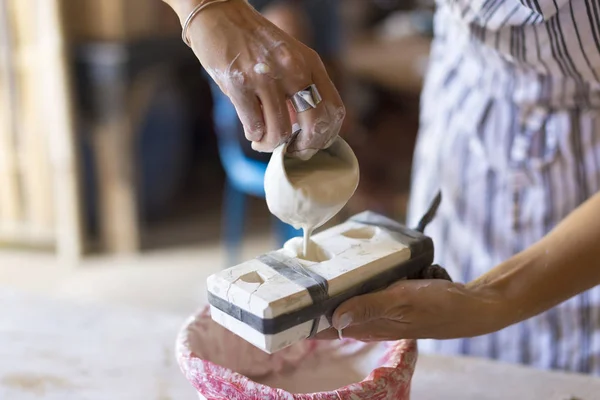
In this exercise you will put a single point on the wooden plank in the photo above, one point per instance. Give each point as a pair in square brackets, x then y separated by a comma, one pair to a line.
[116, 187]
[31, 58]
[38, 148]
[57, 111]
[33, 154]
[10, 202]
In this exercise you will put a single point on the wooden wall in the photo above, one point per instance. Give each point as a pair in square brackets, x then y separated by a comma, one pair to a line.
[39, 187]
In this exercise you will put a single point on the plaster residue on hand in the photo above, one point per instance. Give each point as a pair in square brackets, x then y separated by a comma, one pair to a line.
[262, 69]
[319, 133]
[273, 47]
[267, 35]
[461, 291]
[229, 78]
[233, 77]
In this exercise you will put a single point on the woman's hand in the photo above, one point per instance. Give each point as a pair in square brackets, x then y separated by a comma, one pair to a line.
[556, 268]
[418, 309]
[259, 67]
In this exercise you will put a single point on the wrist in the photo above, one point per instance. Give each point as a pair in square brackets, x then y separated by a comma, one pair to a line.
[494, 311]
[507, 292]
[183, 8]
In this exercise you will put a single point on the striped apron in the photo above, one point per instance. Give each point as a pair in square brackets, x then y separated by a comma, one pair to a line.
[510, 131]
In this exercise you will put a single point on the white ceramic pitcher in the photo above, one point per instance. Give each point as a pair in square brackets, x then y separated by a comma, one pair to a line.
[287, 200]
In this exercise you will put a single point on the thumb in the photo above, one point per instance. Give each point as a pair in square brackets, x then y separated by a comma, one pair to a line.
[359, 310]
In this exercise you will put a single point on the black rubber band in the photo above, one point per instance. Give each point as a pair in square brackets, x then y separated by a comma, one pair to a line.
[315, 284]
[414, 240]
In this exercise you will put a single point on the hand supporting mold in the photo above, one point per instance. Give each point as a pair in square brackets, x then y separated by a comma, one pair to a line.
[561, 265]
[259, 67]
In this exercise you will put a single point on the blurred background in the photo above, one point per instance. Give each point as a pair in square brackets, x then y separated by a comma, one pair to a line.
[124, 174]
[125, 179]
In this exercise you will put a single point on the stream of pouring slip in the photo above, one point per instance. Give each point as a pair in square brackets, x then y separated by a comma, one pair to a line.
[306, 231]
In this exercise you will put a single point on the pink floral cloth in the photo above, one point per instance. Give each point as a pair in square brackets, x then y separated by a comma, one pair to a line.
[220, 365]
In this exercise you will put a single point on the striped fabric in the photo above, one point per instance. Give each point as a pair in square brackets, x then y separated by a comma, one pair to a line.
[510, 131]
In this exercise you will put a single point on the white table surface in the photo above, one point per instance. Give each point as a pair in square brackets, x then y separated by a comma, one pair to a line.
[57, 350]
[457, 378]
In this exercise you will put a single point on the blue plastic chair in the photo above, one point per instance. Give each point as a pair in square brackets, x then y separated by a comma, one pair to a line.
[245, 177]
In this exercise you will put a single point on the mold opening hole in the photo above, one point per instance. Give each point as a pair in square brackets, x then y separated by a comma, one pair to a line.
[315, 253]
[364, 233]
[252, 277]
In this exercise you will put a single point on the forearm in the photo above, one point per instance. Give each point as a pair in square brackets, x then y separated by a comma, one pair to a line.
[563, 264]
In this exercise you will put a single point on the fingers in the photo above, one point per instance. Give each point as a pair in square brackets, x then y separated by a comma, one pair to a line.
[377, 316]
[276, 117]
[321, 125]
[362, 309]
[261, 92]
[250, 112]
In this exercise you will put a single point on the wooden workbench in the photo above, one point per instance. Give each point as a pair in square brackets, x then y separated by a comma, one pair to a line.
[57, 350]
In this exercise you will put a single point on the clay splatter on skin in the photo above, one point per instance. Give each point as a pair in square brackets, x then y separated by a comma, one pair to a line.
[262, 69]
[424, 286]
[320, 133]
[465, 293]
[229, 77]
